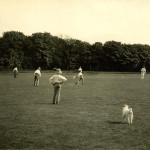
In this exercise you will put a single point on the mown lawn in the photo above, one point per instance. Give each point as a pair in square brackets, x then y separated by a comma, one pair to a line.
[88, 116]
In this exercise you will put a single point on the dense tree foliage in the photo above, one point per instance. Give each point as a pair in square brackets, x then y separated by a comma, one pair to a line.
[47, 51]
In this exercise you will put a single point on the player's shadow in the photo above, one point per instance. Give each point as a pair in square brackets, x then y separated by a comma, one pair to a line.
[115, 122]
[45, 103]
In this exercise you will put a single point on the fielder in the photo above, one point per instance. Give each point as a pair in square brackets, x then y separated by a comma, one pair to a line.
[80, 76]
[37, 75]
[80, 69]
[15, 71]
[57, 80]
[143, 72]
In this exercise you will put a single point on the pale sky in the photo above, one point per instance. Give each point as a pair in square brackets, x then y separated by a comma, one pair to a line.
[126, 21]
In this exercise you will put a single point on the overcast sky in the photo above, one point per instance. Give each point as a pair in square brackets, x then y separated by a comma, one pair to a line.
[126, 21]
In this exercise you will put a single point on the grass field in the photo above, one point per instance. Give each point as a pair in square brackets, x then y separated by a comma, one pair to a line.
[88, 116]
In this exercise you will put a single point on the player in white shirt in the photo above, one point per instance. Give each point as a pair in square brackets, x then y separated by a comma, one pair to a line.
[80, 69]
[143, 72]
[37, 75]
[57, 80]
[15, 71]
[80, 76]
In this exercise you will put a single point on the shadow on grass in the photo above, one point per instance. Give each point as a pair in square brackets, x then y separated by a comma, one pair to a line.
[46, 104]
[115, 122]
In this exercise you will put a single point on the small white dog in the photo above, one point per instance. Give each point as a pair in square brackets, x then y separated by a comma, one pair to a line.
[127, 114]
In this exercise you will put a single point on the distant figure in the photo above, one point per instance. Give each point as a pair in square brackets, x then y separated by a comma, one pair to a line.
[143, 72]
[37, 75]
[57, 80]
[15, 71]
[80, 76]
[80, 69]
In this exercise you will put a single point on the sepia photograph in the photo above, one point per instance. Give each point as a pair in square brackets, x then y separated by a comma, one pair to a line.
[74, 74]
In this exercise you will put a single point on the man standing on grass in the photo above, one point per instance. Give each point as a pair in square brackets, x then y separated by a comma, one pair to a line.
[37, 75]
[143, 72]
[15, 71]
[57, 80]
[80, 76]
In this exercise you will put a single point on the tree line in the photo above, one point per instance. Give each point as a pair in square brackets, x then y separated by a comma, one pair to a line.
[48, 51]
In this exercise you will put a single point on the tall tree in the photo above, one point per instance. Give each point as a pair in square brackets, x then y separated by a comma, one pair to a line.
[42, 51]
[12, 48]
[97, 60]
[112, 55]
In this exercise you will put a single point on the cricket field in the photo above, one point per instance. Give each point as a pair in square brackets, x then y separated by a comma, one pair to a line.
[88, 116]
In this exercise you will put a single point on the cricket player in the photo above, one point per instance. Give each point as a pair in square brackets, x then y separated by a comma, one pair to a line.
[143, 72]
[37, 75]
[57, 80]
[15, 71]
[80, 76]
[80, 69]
